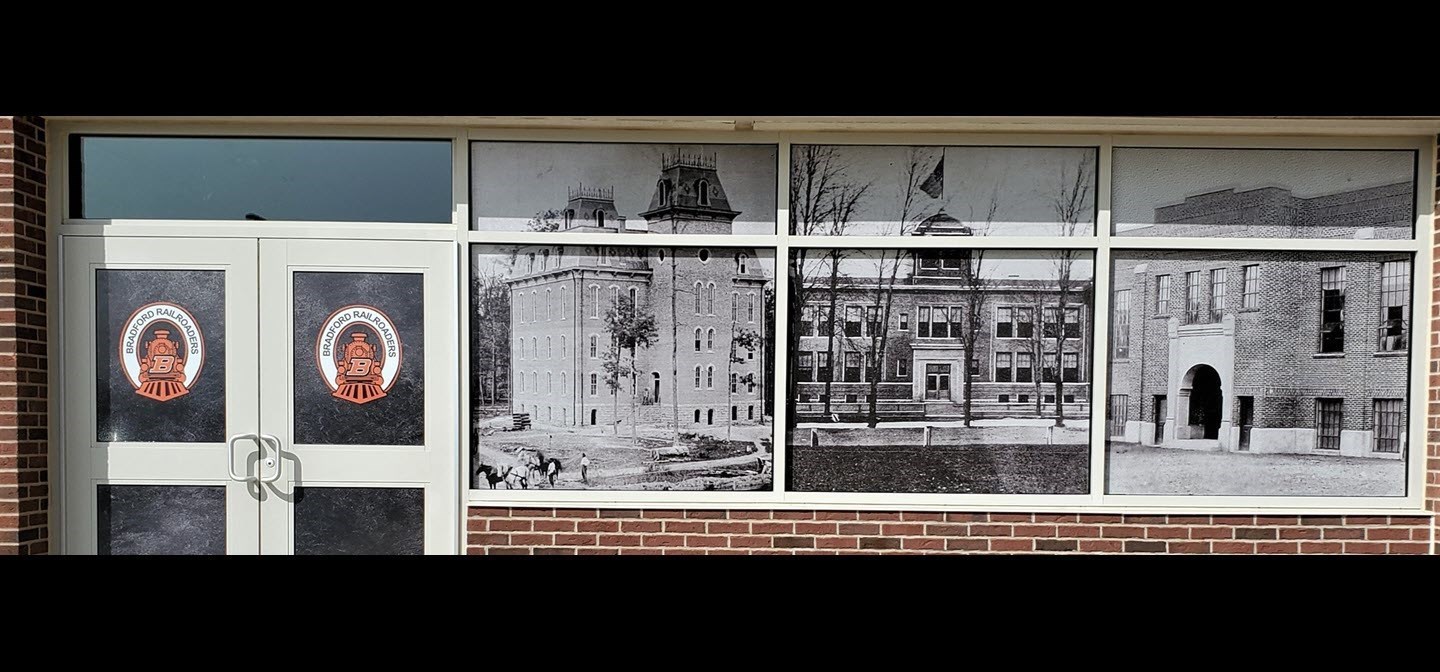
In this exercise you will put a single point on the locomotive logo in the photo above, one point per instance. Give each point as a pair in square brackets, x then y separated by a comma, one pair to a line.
[359, 353]
[162, 351]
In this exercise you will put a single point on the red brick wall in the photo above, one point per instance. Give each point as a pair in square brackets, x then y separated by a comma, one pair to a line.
[1432, 440]
[619, 531]
[24, 467]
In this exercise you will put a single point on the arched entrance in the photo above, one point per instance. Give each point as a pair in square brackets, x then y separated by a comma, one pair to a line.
[1201, 385]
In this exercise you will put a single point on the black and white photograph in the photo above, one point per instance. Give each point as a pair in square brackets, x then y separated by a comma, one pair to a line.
[1258, 373]
[615, 187]
[865, 190]
[1263, 193]
[621, 368]
[940, 370]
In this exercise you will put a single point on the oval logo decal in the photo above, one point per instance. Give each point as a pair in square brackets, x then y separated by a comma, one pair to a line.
[162, 350]
[359, 353]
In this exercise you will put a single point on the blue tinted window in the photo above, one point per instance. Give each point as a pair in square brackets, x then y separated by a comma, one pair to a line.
[344, 180]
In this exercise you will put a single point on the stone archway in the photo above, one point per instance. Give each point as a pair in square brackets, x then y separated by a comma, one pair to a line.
[1200, 391]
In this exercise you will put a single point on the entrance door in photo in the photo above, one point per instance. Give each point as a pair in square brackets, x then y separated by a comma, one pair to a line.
[937, 381]
[1161, 408]
[1247, 420]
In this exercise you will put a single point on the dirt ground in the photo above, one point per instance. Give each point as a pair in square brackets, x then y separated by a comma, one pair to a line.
[1143, 470]
[619, 462]
[975, 468]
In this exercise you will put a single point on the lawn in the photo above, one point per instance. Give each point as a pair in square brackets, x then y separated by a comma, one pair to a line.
[1144, 470]
[974, 468]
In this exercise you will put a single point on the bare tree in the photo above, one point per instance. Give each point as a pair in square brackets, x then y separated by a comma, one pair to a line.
[739, 338]
[977, 294]
[823, 202]
[1072, 206]
[545, 220]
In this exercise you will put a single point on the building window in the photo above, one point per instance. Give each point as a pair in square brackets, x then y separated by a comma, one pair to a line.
[807, 320]
[594, 385]
[749, 412]
[902, 367]
[1024, 371]
[1004, 326]
[853, 362]
[922, 322]
[710, 340]
[599, 218]
[520, 348]
[544, 260]
[614, 297]
[853, 316]
[634, 298]
[520, 381]
[663, 186]
[697, 339]
[742, 264]
[822, 367]
[709, 377]
[702, 190]
[1069, 398]
[535, 347]
[697, 416]
[604, 256]
[1049, 399]
[564, 297]
[905, 322]
[1024, 322]
[564, 389]
[699, 298]
[734, 306]
[940, 324]
[751, 386]
[530, 263]
[1003, 371]
[697, 376]
[594, 345]
[549, 352]
[1047, 368]
[824, 325]
[1217, 293]
[1389, 424]
[852, 398]
[1072, 322]
[1122, 324]
[1004, 398]
[974, 367]
[1023, 399]
[1070, 368]
[805, 367]
[1329, 418]
[750, 308]
[1192, 297]
[872, 321]
[594, 300]
[562, 347]
[1162, 294]
[710, 299]
[1332, 309]
[549, 382]
[1394, 306]
[1250, 296]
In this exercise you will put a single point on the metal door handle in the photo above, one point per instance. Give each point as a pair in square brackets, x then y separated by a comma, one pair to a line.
[230, 453]
[279, 459]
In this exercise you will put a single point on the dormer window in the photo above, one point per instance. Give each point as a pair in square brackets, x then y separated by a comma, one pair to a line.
[600, 218]
[741, 263]
[664, 187]
[702, 188]
[569, 217]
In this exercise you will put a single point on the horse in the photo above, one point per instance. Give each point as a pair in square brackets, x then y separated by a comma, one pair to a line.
[511, 477]
[491, 475]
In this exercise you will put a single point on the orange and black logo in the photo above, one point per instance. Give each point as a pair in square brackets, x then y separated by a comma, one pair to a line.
[162, 351]
[359, 353]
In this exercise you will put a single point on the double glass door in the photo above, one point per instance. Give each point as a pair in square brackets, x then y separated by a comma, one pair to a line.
[243, 395]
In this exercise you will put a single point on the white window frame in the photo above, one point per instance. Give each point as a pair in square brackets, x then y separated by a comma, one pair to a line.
[1103, 134]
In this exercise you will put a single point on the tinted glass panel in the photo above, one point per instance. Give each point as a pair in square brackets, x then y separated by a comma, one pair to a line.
[275, 178]
[360, 358]
[160, 356]
[161, 520]
[359, 521]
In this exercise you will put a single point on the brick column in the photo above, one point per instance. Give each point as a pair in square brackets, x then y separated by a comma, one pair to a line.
[24, 422]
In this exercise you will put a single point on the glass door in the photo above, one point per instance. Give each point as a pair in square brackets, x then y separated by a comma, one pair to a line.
[160, 396]
[358, 380]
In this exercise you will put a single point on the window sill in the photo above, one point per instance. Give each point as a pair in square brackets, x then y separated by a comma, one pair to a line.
[1393, 353]
[1328, 355]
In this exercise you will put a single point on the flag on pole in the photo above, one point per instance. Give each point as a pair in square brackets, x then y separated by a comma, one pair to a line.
[934, 185]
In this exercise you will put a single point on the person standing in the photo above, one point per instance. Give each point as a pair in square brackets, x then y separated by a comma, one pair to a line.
[552, 469]
[584, 468]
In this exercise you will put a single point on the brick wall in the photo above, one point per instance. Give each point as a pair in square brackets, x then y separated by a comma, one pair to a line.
[527, 531]
[24, 468]
[1432, 442]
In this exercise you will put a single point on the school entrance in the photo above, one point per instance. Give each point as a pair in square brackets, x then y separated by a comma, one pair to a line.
[258, 395]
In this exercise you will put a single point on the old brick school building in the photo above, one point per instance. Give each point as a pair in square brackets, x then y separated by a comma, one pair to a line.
[560, 294]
